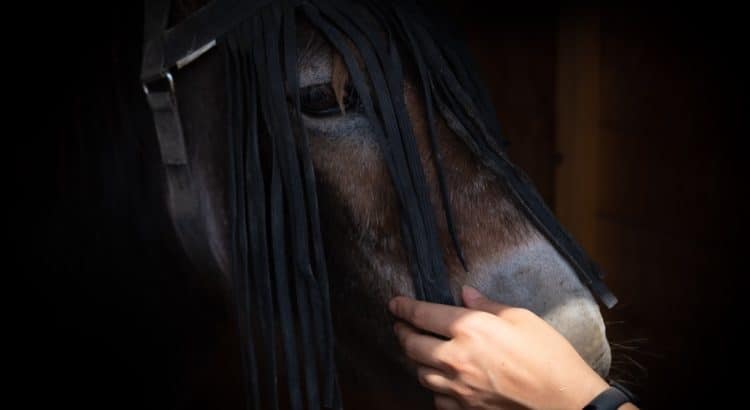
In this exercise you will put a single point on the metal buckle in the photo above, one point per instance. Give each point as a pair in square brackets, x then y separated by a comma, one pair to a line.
[167, 76]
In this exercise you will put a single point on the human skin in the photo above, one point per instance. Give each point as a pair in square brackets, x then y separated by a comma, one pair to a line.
[492, 356]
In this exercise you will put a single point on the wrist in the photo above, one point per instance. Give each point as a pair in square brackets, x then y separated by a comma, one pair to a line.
[589, 388]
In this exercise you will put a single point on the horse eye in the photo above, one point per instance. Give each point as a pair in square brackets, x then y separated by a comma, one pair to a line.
[320, 101]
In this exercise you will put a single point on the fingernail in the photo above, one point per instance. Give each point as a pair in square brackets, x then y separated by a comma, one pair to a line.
[471, 294]
[392, 305]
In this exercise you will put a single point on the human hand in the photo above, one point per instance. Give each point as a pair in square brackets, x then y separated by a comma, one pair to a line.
[495, 356]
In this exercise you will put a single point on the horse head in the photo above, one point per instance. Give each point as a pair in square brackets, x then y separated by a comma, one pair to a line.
[484, 234]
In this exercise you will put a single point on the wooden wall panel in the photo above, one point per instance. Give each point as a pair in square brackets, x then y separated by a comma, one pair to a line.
[651, 194]
[516, 54]
[577, 115]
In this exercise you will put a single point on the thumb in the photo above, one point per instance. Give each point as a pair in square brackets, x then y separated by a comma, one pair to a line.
[473, 299]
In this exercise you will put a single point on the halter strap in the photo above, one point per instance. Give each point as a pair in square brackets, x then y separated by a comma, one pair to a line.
[164, 50]
[178, 46]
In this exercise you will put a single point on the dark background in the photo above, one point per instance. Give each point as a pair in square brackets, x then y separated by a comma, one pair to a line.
[626, 117]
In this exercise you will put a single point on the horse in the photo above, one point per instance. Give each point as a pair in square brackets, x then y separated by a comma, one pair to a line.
[445, 210]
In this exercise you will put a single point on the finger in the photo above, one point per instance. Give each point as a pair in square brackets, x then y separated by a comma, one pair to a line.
[432, 317]
[443, 402]
[436, 380]
[473, 299]
[422, 348]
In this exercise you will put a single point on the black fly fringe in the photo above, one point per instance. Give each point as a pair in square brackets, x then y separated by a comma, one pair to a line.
[239, 213]
[278, 261]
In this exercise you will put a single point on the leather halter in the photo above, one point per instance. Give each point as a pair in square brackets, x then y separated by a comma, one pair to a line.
[171, 49]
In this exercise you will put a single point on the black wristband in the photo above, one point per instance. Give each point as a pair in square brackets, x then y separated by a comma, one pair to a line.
[612, 398]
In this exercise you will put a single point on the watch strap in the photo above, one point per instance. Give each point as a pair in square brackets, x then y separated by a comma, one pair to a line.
[612, 398]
